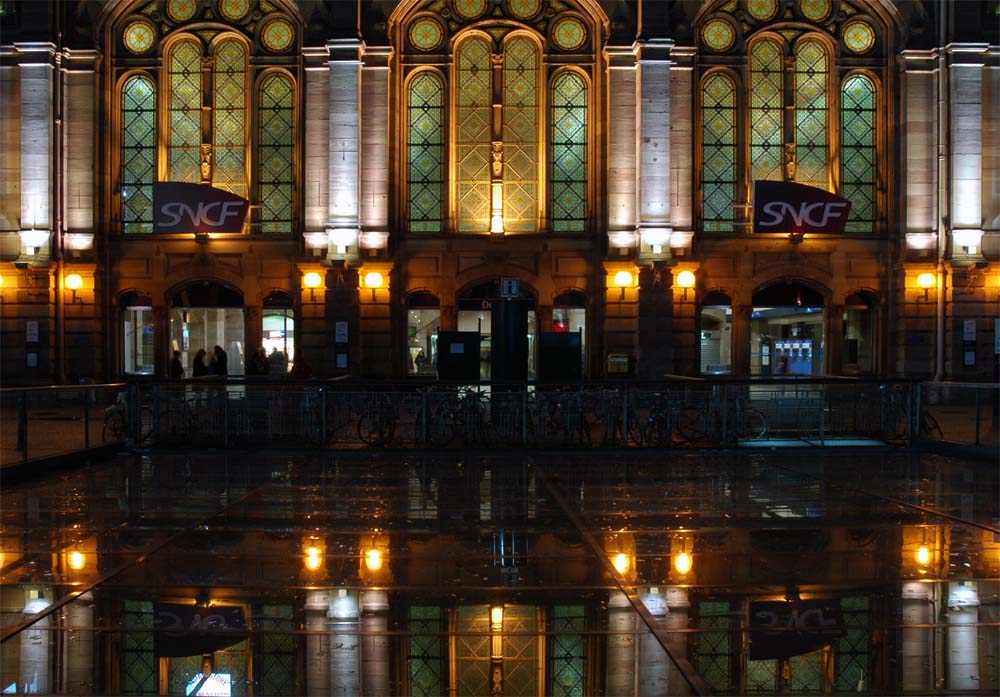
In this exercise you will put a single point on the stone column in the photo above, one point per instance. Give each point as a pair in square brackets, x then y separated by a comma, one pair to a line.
[622, 147]
[374, 177]
[741, 340]
[679, 607]
[78, 649]
[916, 666]
[344, 208]
[654, 664]
[965, 99]
[345, 677]
[374, 644]
[654, 140]
[621, 655]
[317, 645]
[36, 62]
[316, 147]
[963, 636]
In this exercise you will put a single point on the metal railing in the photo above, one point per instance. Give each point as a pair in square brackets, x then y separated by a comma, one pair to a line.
[42, 422]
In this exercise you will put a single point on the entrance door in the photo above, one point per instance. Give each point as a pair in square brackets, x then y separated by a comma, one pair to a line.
[507, 331]
[787, 331]
[206, 315]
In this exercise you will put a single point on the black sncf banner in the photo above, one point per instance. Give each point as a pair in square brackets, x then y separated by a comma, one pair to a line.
[180, 207]
[780, 629]
[192, 630]
[797, 209]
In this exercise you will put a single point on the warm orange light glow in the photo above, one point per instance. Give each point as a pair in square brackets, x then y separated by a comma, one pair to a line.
[314, 558]
[373, 279]
[620, 562]
[74, 281]
[685, 279]
[312, 280]
[496, 615]
[373, 559]
[923, 555]
[623, 279]
[76, 560]
[926, 280]
[682, 563]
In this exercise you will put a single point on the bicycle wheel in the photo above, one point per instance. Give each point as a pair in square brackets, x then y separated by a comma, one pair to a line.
[691, 425]
[146, 424]
[929, 427]
[753, 424]
[114, 428]
[376, 427]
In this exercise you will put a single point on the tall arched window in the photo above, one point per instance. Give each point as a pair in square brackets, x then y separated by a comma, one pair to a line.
[426, 152]
[569, 153]
[784, 98]
[138, 129]
[275, 176]
[520, 135]
[474, 97]
[219, 108]
[184, 90]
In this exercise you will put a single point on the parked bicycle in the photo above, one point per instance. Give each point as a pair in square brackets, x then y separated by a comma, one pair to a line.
[706, 422]
[116, 422]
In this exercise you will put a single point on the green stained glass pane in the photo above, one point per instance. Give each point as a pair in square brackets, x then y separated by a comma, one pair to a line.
[811, 116]
[426, 652]
[714, 645]
[276, 124]
[816, 10]
[274, 650]
[229, 117]
[138, 153]
[520, 135]
[762, 10]
[857, 122]
[807, 673]
[426, 152]
[138, 657]
[472, 650]
[568, 651]
[569, 153]
[859, 37]
[761, 677]
[184, 77]
[853, 649]
[718, 173]
[474, 98]
[766, 110]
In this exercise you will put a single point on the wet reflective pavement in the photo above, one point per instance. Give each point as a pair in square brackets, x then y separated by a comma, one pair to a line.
[652, 572]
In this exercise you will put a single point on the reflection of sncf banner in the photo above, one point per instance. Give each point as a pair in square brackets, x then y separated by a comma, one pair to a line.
[180, 207]
[781, 629]
[797, 209]
[192, 630]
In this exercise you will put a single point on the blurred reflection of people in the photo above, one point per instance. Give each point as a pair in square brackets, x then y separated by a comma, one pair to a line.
[208, 683]
[176, 367]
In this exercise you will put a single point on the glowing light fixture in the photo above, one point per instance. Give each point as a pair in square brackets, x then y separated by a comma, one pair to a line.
[496, 615]
[373, 279]
[74, 281]
[620, 562]
[496, 215]
[656, 238]
[314, 557]
[923, 555]
[312, 280]
[682, 563]
[685, 279]
[343, 238]
[373, 559]
[623, 279]
[926, 280]
[76, 560]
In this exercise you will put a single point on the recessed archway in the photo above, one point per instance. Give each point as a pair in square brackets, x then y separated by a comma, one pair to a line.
[787, 330]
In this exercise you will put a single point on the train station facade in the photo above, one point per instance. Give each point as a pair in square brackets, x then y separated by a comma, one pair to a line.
[517, 169]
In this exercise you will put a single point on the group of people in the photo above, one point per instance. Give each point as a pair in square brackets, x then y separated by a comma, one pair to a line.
[218, 364]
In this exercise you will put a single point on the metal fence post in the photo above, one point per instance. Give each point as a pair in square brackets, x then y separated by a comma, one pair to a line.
[225, 415]
[978, 406]
[322, 417]
[86, 418]
[524, 416]
[22, 426]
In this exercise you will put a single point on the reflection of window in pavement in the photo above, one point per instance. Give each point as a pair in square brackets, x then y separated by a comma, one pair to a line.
[214, 685]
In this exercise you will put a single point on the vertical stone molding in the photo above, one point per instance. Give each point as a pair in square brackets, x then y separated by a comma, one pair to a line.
[654, 664]
[654, 136]
[345, 93]
[622, 144]
[621, 659]
[36, 66]
[916, 666]
[317, 644]
[374, 643]
[963, 636]
[345, 675]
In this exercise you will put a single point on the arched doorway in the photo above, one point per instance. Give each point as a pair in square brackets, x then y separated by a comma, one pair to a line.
[787, 330]
[278, 331]
[859, 335]
[715, 335]
[423, 322]
[138, 334]
[507, 328]
[206, 314]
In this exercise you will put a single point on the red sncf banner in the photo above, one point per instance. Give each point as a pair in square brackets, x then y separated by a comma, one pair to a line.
[796, 209]
[182, 207]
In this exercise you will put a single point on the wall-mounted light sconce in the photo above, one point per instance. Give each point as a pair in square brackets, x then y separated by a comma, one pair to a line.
[496, 215]
[921, 242]
[681, 549]
[496, 617]
[33, 241]
[968, 241]
[374, 241]
[77, 560]
[656, 238]
[374, 280]
[74, 282]
[312, 280]
[342, 238]
[621, 562]
[316, 241]
[623, 279]
[312, 554]
[77, 242]
[374, 551]
[622, 240]
[927, 280]
[685, 280]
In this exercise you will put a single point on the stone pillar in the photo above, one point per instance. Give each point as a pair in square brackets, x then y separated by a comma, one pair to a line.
[374, 178]
[654, 664]
[741, 340]
[679, 607]
[345, 677]
[78, 649]
[654, 141]
[344, 209]
[920, 137]
[963, 636]
[621, 655]
[317, 645]
[375, 320]
[374, 644]
[835, 342]
[317, 147]
[916, 666]
[36, 66]
[35, 665]
[622, 147]
[965, 100]
[682, 148]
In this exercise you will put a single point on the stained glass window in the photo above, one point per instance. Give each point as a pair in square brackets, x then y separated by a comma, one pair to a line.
[811, 144]
[138, 153]
[852, 664]
[857, 121]
[718, 171]
[715, 645]
[139, 659]
[274, 162]
[184, 84]
[569, 153]
[568, 651]
[426, 152]
[474, 98]
[766, 110]
[274, 650]
[426, 652]
[520, 135]
[229, 117]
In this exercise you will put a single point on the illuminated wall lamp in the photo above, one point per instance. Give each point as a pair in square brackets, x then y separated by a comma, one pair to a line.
[926, 281]
[34, 240]
[969, 240]
[313, 558]
[77, 560]
[373, 559]
[623, 280]
[74, 282]
[683, 562]
[312, 281]
[923, 555]
[621, 562]
[374, 280]
[343, 238]
[656, 238]
[496, 215]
